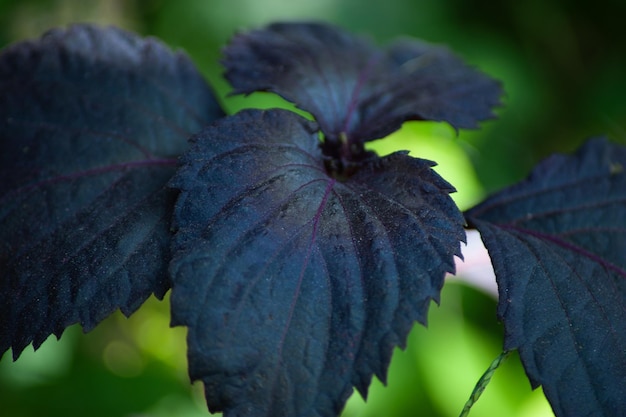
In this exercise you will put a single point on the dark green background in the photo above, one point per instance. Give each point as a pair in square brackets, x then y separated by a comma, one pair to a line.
[563, 66]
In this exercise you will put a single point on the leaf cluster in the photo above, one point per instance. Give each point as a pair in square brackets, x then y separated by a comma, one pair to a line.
[297, 259]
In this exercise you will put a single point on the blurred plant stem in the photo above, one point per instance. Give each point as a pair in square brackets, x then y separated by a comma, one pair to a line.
[483, 382]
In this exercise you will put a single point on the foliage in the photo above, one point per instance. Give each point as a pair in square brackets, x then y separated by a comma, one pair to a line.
[299, 259]
[92, 123]
[557, 245]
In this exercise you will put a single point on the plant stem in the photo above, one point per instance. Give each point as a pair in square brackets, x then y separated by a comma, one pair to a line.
[483, 382]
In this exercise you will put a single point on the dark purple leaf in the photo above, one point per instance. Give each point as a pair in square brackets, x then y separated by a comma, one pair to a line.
[296, 286]
[356, 91]
[558, 246]
[91, 123]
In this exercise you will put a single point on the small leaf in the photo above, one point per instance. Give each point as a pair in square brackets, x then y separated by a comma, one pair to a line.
[296, 286]
[355, 89]
[558, 245]
[91, 123]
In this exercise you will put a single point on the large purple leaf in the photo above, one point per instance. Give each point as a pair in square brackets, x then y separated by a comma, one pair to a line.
[296, 286]
[356, 91]
[91, 123]
[558, 246]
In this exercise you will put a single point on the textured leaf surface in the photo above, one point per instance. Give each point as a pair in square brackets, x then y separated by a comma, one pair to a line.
[355, 89]
[91, 123]
[558, 246]
[296, 286]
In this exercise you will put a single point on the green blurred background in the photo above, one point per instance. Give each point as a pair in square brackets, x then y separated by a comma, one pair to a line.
[563, 66]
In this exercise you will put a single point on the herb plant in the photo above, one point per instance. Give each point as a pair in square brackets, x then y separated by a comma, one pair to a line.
[297, 258]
